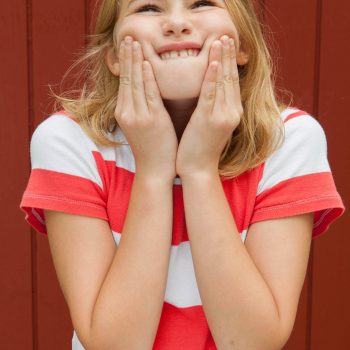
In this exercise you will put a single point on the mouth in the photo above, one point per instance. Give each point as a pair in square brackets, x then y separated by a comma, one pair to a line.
[179, 50]
[180, 54]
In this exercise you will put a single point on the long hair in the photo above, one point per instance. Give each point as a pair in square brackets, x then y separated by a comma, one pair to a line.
[260, 131]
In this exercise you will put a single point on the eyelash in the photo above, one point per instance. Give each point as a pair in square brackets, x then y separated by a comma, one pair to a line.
[150, 6]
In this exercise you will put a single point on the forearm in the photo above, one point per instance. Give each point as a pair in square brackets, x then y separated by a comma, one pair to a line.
[238, 304]
[129, 305]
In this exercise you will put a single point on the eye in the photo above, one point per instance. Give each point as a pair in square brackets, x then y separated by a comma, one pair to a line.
[147, 7]
[205, 3]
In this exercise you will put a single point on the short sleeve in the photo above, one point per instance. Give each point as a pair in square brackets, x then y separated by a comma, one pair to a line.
[297, 178]
[64, 174]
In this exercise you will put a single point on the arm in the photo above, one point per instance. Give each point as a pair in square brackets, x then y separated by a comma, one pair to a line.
[249, 293]
[115, 294]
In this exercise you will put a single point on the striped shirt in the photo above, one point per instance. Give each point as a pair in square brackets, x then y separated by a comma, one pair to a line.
[71, 174]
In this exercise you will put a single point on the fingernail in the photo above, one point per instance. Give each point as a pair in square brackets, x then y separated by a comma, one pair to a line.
[128, 40]
[232, 42]
[225, 39]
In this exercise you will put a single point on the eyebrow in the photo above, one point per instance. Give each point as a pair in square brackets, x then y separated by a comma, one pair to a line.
[132, 1]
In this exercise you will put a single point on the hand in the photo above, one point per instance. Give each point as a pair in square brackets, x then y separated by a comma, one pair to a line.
[141, 114]
[216, 116]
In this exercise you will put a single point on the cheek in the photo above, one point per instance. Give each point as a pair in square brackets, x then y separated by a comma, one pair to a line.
[219, 25]
[139, 30]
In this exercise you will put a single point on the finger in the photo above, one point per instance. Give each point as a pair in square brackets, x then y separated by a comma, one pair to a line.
[214, 54]
[120, 88]
[126, 76]
[207, 94]
[227, 71]
[220, 88]
[137, 78]
[151, 88]
[234, 69]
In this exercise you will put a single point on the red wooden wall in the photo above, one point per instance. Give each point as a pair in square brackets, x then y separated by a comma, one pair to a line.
[37, 42]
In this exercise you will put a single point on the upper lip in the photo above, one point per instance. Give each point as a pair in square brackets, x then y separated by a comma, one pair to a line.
[184, 45]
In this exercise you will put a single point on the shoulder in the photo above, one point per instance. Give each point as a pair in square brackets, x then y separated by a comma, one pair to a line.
[63, 128]
[303, 150]
[59, 127]
[299, 125]
[60, 144]
[304, 140]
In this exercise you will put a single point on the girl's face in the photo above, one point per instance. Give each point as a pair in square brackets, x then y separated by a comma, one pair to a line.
[155, 23]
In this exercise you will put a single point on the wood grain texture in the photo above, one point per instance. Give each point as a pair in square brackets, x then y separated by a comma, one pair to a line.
[294, 29]
[58, 28]
[331, 282]
[15, 249]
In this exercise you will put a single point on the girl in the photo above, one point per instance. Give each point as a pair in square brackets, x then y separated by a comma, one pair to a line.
[178, 194]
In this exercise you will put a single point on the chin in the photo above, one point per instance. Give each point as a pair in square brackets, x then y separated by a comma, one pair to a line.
[177, 91]
[180, 85]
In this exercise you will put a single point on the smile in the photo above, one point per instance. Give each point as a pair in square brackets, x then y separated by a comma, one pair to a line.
[179, 54]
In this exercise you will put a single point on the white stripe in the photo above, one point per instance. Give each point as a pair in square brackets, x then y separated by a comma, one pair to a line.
[59, 144]
[303, 152]
[76, 345]
[181, 290]
[288, 111]
[244, 235]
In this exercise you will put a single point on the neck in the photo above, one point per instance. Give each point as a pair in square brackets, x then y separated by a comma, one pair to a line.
[180, 112]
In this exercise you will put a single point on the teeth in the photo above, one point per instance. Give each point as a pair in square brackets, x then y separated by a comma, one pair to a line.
[181, 53]
[184, 53]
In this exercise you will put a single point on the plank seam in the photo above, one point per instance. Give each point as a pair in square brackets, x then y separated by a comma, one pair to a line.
[316, 94]
[30, 97]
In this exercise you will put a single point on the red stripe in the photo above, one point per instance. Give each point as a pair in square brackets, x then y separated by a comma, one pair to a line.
[240, 193]
[294, 115]
[72, 194]
[183, 328]
[301, 194]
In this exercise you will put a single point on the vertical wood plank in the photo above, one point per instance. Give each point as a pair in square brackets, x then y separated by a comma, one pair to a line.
[293, 27]
[92, 7]
[331, 305]
[58, 31]
[15, 248]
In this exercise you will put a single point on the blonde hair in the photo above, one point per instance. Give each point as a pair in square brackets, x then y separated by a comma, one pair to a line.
[260, 131]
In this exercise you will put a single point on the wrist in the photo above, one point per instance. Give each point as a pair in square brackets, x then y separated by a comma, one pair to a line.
[152, 178]
[208, 174]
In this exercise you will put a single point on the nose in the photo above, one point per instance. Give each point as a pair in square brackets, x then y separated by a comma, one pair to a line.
[177, 24]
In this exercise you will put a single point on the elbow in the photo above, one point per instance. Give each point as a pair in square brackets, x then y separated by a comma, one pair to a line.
[277, 340]
[96, 343]
[99, 345]
[262, 339]
[280, 343]
[92, 342]
[116, 343]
